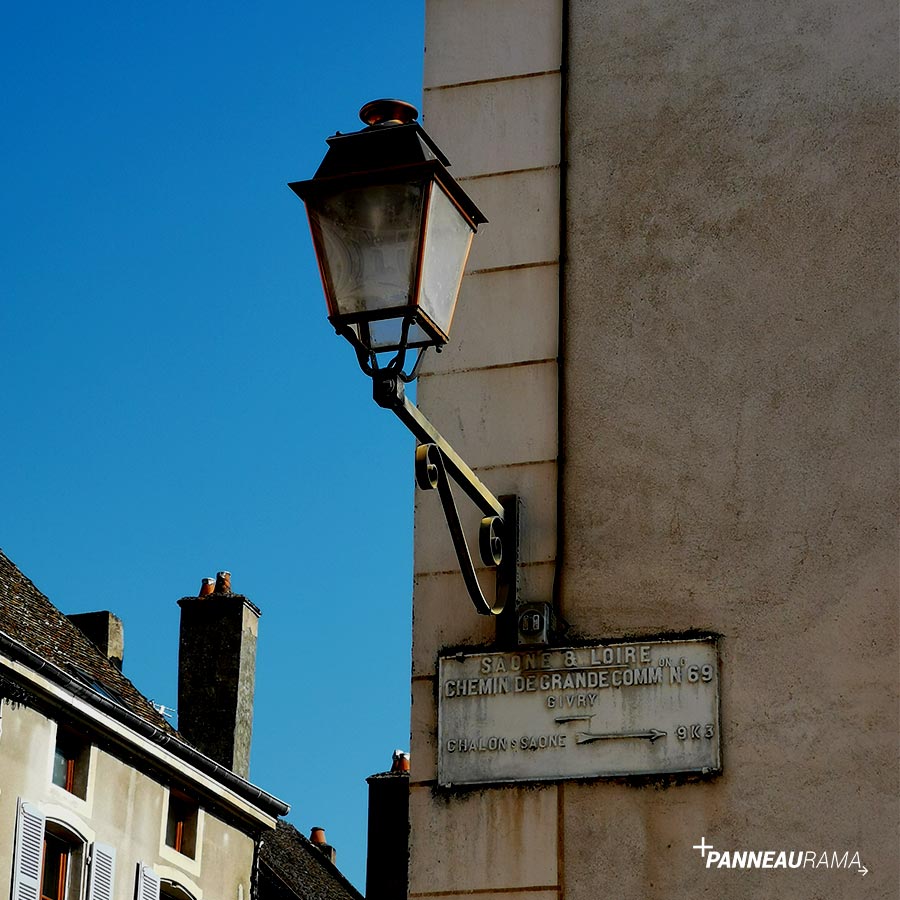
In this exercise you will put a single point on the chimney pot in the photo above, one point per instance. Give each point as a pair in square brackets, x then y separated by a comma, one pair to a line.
[207, 586]
[317, 837]
[400, 761]
[223, 583]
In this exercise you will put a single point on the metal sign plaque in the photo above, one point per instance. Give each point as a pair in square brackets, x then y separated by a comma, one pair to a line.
[611, 709]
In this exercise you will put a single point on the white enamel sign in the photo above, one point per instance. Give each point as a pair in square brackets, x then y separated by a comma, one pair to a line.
[611, 709]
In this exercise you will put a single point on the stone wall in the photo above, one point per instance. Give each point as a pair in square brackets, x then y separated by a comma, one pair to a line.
[718, 419]
[492, 103]
[730, 419]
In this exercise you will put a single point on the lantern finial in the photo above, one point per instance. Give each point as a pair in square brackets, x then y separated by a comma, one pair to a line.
[388, 112]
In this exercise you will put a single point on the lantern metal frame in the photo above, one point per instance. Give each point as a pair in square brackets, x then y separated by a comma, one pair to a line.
[394, 149]
[433, 174]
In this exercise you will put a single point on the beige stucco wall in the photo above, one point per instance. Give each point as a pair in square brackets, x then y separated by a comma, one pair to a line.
[492, 103]
[725, 441]
[123, 807]
[730, 419]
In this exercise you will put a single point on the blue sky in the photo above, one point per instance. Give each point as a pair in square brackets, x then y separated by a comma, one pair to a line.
[174, 401]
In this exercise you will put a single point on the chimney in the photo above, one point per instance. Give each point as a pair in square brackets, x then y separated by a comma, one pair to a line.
[216, 673]
[387, 854]
[317, 837]
[105, 631]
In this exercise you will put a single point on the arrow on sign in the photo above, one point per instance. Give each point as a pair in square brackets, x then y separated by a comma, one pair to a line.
[587, 737]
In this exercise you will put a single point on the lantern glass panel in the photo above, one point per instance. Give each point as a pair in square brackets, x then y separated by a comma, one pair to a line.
[448, 237]
[367, 240]
[385, 334]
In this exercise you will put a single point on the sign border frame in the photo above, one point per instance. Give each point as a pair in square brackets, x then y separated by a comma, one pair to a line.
[703, 772]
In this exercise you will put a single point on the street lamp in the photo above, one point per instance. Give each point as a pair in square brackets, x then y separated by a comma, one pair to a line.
[392, 232]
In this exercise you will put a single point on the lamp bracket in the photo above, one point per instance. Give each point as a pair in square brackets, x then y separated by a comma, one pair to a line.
[368, 358]
[387, 389]
[431, 473]
[436, 463]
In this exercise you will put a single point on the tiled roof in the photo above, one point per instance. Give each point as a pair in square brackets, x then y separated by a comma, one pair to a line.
[292, 868]
[27, 616]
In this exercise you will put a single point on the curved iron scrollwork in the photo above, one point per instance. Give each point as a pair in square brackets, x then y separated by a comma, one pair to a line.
[368, 358]
[431, 474]
[436, 463]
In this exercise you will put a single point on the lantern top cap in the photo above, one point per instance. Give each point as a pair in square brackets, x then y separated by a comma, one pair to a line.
[392, 146]
[388, 112]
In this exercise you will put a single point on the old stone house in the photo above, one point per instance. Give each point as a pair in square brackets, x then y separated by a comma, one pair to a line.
[102, 799]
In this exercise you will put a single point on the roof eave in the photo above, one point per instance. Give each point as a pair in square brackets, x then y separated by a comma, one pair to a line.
[164, 749]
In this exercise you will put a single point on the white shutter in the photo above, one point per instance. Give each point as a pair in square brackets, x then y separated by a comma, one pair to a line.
[28, 854]
[148, 883]
[103, 867]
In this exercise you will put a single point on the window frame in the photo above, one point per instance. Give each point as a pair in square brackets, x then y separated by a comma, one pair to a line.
[86, 867]
[181, 824]
[62, 853]
[74, 750]
[173, 890]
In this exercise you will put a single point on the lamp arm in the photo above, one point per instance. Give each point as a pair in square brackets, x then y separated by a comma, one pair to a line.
[435, 460]
[425, 433]
[430, 474]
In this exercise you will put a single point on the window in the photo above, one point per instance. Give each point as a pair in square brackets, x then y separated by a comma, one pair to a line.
[49, 858]
[70, 762]
[55, 874]
[181, 824]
